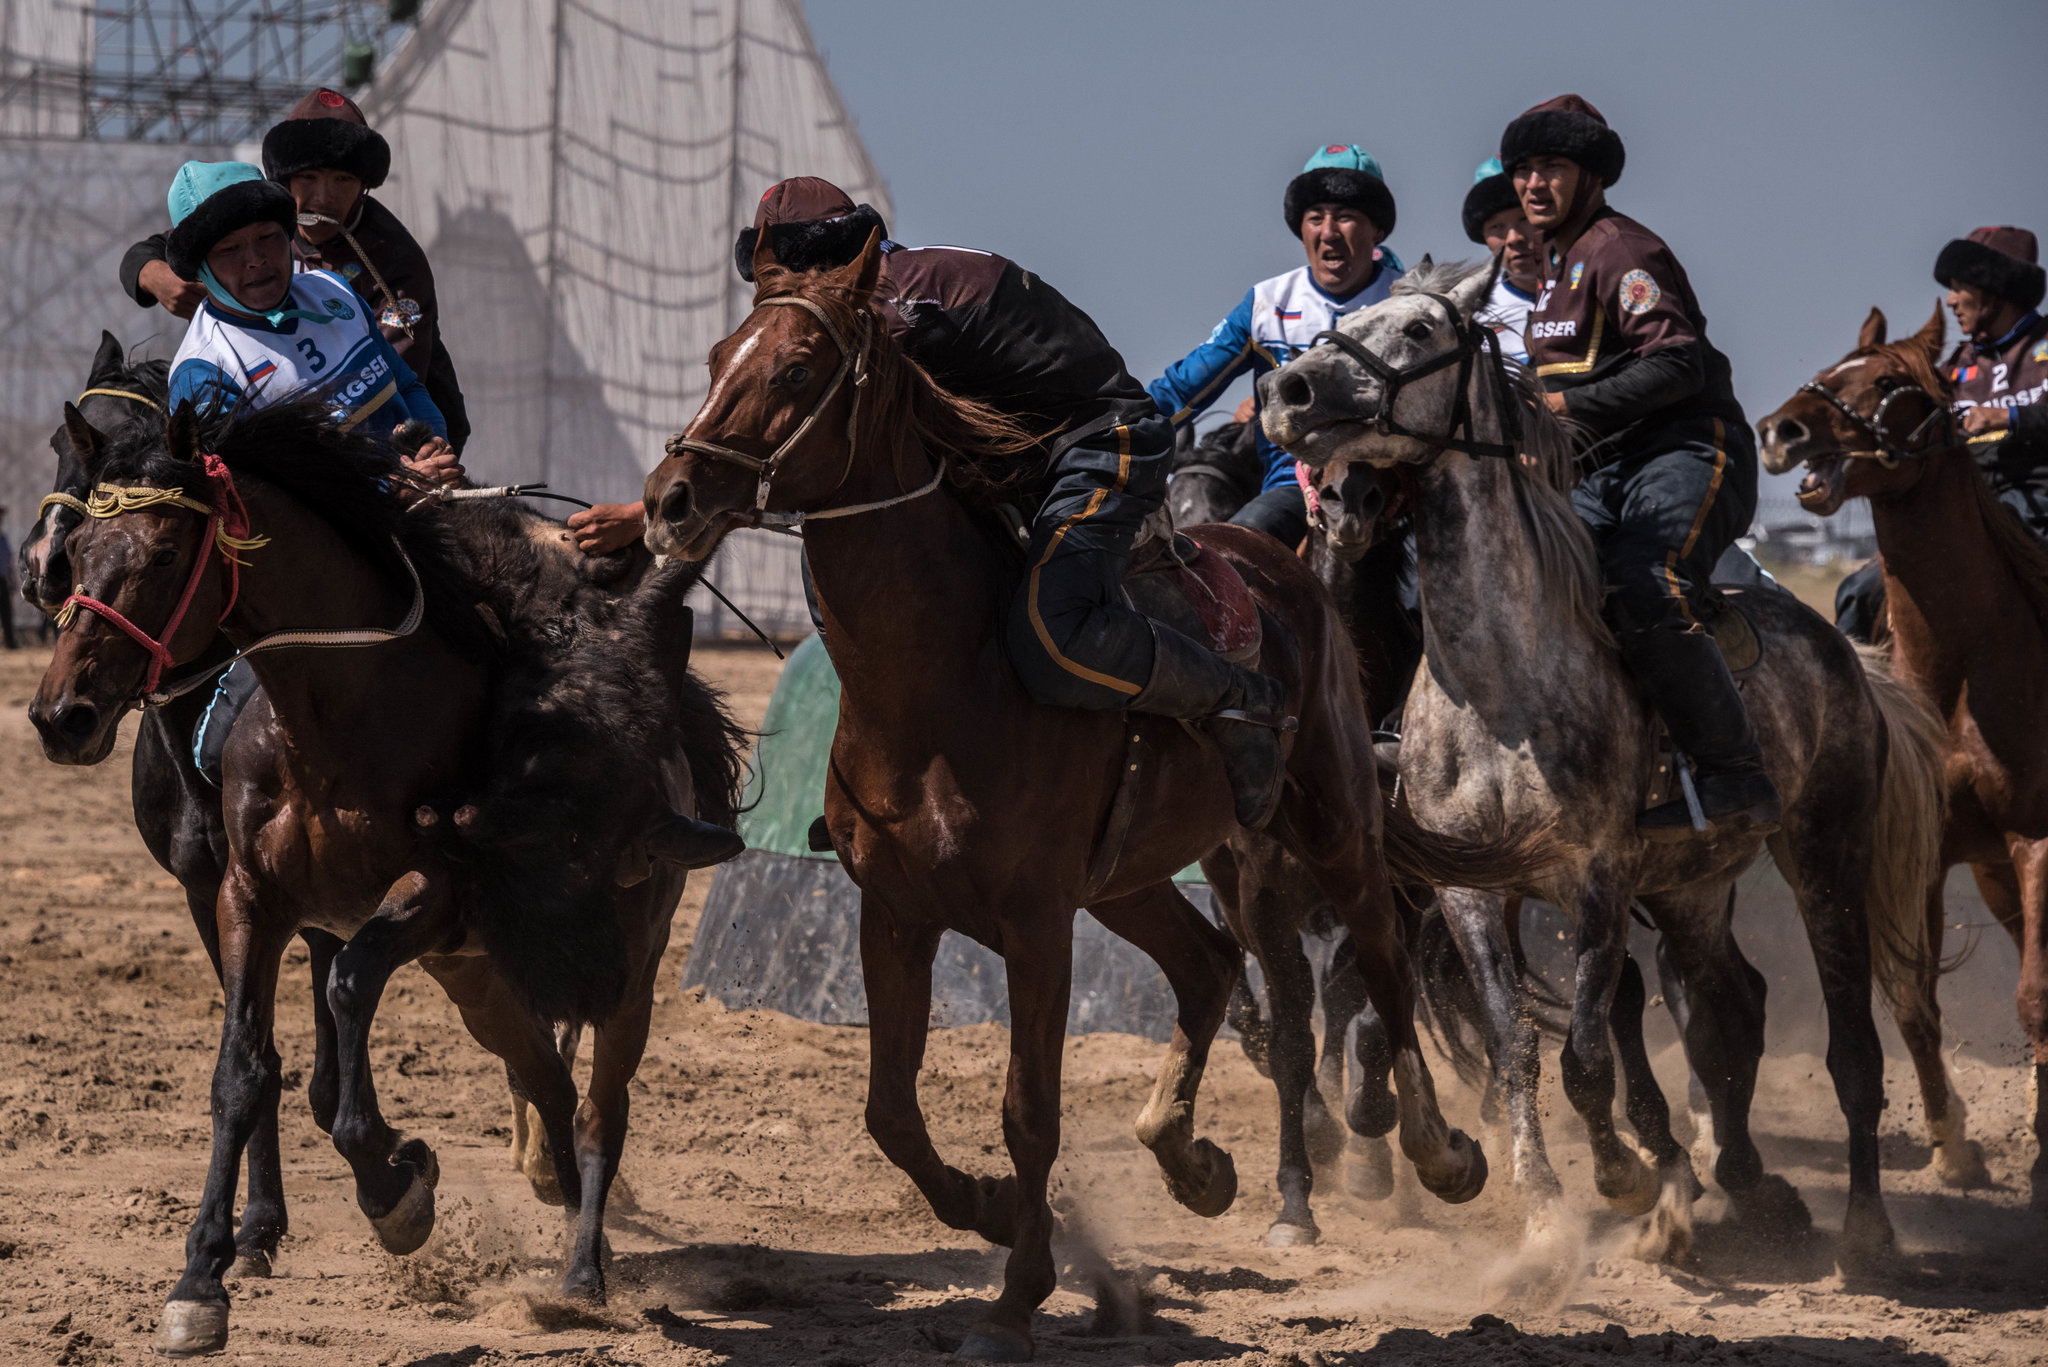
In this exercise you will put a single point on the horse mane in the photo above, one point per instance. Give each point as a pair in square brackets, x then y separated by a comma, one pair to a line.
[348, 479]
[1544, 475]
[2009, 536]
[901, 396]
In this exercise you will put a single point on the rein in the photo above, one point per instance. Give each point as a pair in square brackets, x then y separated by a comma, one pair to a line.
[1888, 453]
[1472, 338]
[852, 361]
[227, 532]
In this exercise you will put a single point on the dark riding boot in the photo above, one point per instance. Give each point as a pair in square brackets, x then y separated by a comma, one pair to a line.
[1241, 711]
[1684, 678]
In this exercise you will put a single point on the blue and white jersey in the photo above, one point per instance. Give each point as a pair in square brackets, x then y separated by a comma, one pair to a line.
[1276, 321]
[341, 358]
[1507, 313]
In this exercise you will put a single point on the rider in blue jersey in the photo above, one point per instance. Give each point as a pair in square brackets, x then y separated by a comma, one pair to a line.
[1340, 208]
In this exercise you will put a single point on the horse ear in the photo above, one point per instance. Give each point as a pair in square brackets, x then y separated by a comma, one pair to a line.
[1872, 334]
[1472, 292]
[868, 267]
[768, 272]
[181, 435]
[1935, 332]
[85, 438]
[107, 361]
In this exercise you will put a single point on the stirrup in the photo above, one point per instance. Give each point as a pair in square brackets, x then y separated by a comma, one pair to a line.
[1239, 714]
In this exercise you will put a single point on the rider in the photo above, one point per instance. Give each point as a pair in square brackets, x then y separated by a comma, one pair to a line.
[2000, 372]
[330, 159]
[992, 331]
[1669, 471]
[1341, 210]
[1494, 219]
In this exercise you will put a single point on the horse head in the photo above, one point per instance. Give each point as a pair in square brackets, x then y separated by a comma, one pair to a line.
[1387, 388]
[139, 564]
[1863, 426]
[1215, 476]
[115, 393]
[775, 433]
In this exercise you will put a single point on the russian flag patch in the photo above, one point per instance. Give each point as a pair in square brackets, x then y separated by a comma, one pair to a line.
[262, 371]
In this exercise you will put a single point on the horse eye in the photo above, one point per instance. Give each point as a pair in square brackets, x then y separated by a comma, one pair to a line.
[796, 374]
[1419, 330]
[1887, 383]
[164, 558]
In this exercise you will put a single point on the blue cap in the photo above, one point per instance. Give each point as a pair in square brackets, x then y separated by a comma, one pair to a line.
[1348, 156]
[199, 181]
[1488, 169]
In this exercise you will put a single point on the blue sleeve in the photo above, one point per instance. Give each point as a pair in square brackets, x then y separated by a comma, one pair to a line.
[412, 391]
[1192, 383]
[1279, 464]
[205, 384]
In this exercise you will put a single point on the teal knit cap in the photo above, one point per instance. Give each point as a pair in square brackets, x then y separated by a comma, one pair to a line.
[1349, 157]
[1488, 169]
[210, 199]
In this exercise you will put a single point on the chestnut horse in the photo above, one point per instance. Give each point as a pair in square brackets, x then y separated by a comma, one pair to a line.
[1968, 593]
[334, 783]
[955, 802]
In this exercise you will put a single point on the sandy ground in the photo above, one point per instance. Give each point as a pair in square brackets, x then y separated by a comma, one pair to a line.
[765, 1227]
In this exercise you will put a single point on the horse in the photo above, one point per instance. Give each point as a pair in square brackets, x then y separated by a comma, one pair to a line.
[1523, 712]
[1215, 475]
[955, 802]
[338, 777]
[1968, 593]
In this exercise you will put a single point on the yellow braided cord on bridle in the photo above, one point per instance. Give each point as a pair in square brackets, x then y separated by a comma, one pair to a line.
[130, 394]
[112, 500]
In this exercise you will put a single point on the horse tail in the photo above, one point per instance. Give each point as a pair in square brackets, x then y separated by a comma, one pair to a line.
[1455, 1017]
[1906, 849]
[1508, 864]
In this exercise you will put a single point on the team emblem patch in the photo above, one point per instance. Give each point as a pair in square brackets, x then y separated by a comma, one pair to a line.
[351, 271]
[1639, 293]
[338, 309]
[2040, 351]
[402, 314]
[1578, 269]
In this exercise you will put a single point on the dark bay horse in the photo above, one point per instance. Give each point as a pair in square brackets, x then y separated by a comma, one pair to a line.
[1215, 474]
[957, 803]
[1968, 593]
[1524, 713]
[335, 796]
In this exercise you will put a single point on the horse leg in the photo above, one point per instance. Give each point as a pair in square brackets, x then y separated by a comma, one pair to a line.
[245, 1088]
[1706, 1150]
[1342, 993]
[1243, 1015]
[896, 971]
[533, 1155]
[1202, 965]
[1586, 1064]
[1828, 874]
[394, 1182]
[1040, 987]
[2030, 861]
[1957, 1159]
[1669, 1233]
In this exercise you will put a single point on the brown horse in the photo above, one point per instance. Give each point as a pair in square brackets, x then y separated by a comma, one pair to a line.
[1968, 594]
[335, 784]
[957, 803]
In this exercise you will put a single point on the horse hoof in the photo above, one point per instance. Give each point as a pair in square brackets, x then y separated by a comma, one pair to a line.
[1285, 1235]
[1464, 1186]
[1216, 1193]
[1866, 1243]
[1634, 1189]
[993, 1343]
[1372, 1112]
[1369, 1175]
[584, 1285]
[1961, 1165]
[406, 1226]
[1773, 1207]
[191, 1329]
[254, 1263]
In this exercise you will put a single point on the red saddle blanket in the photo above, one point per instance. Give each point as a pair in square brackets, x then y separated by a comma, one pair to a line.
[1195, 590]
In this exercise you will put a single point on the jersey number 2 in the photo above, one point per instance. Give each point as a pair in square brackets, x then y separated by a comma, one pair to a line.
[315, 360]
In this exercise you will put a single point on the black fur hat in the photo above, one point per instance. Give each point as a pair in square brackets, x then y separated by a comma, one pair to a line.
[1565, 127]
[1491, 192]
[231, 206]
[812, 224]
[1361, 190]
[1999, 261]
[326, 131]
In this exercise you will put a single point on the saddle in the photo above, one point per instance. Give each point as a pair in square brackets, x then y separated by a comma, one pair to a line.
[1721, 614]
[1177, 581]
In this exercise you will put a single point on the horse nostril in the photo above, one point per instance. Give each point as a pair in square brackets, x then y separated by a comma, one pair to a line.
[78, 720]
[1790, 431]
[1294, 391]
[675, 504]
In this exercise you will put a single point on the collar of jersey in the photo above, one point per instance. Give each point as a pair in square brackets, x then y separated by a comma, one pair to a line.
[2019, 329]
[1345, 302]
[276, 317]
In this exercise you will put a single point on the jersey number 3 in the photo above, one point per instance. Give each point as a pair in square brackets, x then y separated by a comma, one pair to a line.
[316, 361]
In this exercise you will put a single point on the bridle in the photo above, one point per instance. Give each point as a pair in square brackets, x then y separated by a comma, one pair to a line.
[1473, 338]
[1888, 453]
[853, 360]
[228, 532]
[76, 504]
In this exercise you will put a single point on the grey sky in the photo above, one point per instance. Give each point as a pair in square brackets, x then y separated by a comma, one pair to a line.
[1804, 160]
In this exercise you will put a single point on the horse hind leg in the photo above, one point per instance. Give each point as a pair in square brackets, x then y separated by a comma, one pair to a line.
[1957, 1159]
[533, 1157]
[1668, 1236]
[1202, 965]
[2030, 860]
